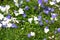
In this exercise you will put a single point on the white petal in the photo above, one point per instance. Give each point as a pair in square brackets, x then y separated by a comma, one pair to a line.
[30, 20]
[1, 16]
[32, 34]
[52, 3]
[9, 25]
[21, 11]
[35, 18]
[46, 30]
[0, 25]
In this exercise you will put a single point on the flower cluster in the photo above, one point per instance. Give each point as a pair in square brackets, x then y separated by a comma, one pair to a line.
[10, 21]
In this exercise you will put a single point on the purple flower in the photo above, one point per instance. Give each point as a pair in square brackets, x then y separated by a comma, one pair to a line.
[24, 15]
[46, 11]
[27, 0]
[45, 1]
[39, 18]
[29, 35]
[26, 8]
[14, 25]
[49, 8]
[53, 15]
[58, 29]
[4, 25]
[52, 9]
[8, 16]
[46, 27]
[41, 23]
[46, 21]
[40, 2]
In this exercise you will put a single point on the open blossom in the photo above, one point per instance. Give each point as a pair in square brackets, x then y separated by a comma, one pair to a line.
[52, 3]
[24, 15]
[21, 11]
[7, 8]
[29, 35]
[9, 25]
[16, 3]
[35, 18]
[26, 7]
[58, 29]
[40, 2]
[57, 1]
[14, 25]
[46, 29]
[2, 8]
[53, 15]
[32, 33]
[30, 20]
[16, 13]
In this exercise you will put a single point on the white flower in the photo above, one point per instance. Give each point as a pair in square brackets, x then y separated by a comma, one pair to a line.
[32, 33]
[46, 30]
[30, 20]
[16, 3]
[0, 25]
[21, 2]
[9, 24]
[56, 19]
[3, 9]
[7, 20]
[57, 1]
[16, 13]
[52, 3]
[35, 18]
[1, 16]
[21, 11]
[7, 8]
[36, 22]
[4, 23]
[51, 18]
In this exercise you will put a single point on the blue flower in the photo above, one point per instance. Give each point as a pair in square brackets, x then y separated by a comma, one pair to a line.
[46, 11]
[40, 2]
[53, 15]
[8, 16]
[52, 9]
[58, 29]
[26, 8]
[46, 21]
[41, 23]
[39, 18]
[24, 15]
[29, 35]
[46, 27]
[14, 25]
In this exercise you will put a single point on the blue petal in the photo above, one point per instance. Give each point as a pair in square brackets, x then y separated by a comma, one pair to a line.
[8, 16]
[14, 25]
[40, 2]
